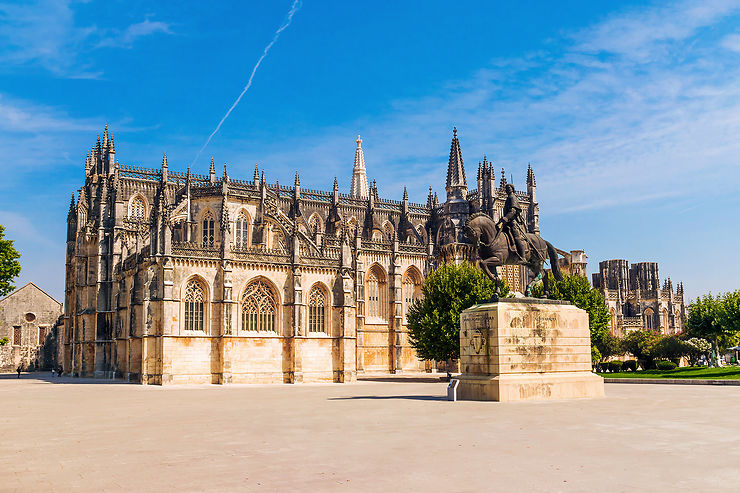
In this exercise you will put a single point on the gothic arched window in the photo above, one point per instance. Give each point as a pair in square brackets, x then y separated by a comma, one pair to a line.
[242, 231]
[209, 228]
[314, 224]
[376, 295]
[649, 319]
[316, 310]
[411, 290]
[388, 230]
[258, 307]
[137, 209]
[194, 300]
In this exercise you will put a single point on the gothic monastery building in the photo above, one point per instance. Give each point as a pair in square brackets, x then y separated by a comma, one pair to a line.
[176, 277]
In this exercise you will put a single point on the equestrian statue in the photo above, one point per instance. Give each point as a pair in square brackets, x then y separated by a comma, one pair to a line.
[508, 243]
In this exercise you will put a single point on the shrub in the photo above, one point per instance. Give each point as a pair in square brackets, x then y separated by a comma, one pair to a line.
[665, 365]
[615, 366]
[595, 357]
[629, 365]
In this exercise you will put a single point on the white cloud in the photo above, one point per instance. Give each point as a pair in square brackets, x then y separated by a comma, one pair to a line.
[127, 37]
[732, 42]
[46, 33]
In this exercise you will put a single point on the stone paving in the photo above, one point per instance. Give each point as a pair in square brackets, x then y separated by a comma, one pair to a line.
[85, 435]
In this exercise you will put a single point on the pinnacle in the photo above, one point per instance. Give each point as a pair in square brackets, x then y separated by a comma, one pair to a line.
[297, 179]
[405, 195]
[164, 160]
[213, 170]
[455, 167]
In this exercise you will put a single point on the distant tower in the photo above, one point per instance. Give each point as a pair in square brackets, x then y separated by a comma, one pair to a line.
[359, 175]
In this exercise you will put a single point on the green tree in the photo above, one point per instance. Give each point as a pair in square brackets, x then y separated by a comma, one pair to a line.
[716, 319]
[579, 291]
[698, 347]
[671, 347]
[4, 341]
[9, 265]
[610, 346]
[434, 320]
[643, 345]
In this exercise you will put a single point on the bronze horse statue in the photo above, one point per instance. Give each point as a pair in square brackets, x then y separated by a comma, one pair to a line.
[496, 249]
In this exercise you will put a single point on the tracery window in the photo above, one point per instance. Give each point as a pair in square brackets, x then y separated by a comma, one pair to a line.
[137, 210]
[649, 319]
[194, 305]
[316, 310]
[258, 307]
[388, 229]
[242, 232]
[208, 230]
[376, 296]
[314, 224]
[410, 290]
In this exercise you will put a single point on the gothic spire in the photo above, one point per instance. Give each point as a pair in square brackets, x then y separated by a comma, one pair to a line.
[502, 183]
[530, 176]
[256, 174]
[359, 186]
[405, 195]
[106, 137]
[456, 185]
[164, 160]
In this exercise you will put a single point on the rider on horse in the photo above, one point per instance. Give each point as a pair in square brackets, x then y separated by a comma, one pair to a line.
[512, 223]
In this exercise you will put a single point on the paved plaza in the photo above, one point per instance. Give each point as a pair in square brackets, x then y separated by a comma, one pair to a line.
[70, 434]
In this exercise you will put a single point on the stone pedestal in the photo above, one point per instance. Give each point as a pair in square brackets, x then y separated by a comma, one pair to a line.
[526, 349]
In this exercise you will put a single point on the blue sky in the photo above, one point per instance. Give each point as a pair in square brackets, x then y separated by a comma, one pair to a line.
[628, 111]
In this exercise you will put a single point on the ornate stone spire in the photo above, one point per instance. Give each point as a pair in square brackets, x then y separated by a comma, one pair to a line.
[256, 174]
[530, 176]
[502, 183]
[164, 167]
[359, 174]
[457, 185]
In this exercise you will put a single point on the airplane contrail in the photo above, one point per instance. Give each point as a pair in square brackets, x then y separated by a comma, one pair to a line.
[293, 9]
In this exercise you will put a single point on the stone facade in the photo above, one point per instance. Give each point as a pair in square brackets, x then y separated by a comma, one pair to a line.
[27, 317]
[636, 299]
[175, 277]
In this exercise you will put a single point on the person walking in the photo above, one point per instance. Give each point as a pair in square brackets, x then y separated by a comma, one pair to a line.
[19, 371]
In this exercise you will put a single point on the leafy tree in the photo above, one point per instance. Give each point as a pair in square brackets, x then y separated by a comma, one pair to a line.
[610, 346]
[671, 347]
[697, 348]
[579, 291]
[9, 265]
[716, 319]
[4, 341]
[434, 320]
[643, 345]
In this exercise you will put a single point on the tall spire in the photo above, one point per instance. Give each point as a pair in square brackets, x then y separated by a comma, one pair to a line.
[530, 176]
[502, 183]
[457, 185]
[359, 174]
[212, 172]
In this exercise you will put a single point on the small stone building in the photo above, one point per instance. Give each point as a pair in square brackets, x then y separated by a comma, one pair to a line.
[27, 316]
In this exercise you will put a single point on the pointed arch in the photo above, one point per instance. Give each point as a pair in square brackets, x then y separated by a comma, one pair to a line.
[138, 207]
[376, 287]
[243, 229]
[410, 288]
[259, 306]
[207, 228]
[664, 320]
[389, 231]
[315, 224]
[319, 303]
[648, 318]
[195, 304]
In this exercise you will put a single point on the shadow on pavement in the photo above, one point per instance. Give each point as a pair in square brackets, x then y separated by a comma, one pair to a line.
[403, 379]
[385, 397]
[47, 378]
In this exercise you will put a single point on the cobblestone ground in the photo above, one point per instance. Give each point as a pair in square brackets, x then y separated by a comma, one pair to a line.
[84, 435]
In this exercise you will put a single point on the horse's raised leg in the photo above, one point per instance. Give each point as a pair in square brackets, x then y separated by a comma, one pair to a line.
[494, 276]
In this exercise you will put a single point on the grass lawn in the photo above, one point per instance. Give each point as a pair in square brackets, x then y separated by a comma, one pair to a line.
[725, 373]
